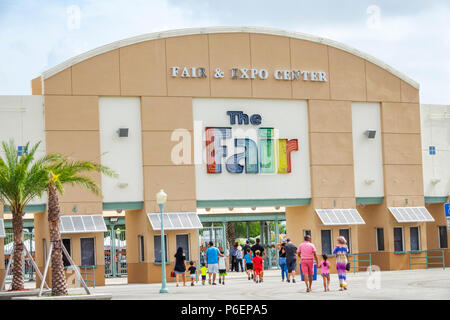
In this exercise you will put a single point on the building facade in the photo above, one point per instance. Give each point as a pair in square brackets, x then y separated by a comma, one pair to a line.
[241, 118]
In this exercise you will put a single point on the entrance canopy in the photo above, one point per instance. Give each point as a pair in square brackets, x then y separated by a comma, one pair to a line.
[337, 217]
[411, 214]
[175, 221]
[82, 223]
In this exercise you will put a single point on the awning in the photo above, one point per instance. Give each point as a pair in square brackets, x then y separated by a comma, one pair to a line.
[411, 214]
[175, 221]
[2, 228]
[82, 223]
[337, 217]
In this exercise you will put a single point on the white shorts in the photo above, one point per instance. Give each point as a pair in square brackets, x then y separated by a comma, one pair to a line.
[213, 268]
[192, 276]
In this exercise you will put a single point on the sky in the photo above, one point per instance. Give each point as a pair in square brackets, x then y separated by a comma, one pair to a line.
[411, 36]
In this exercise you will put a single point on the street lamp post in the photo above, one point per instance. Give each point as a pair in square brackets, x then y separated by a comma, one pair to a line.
[119, 255]
[161, 198]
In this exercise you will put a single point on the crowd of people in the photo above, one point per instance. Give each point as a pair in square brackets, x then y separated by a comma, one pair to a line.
[252, 257]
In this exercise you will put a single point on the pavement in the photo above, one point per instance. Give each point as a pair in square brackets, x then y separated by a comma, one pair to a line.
[390, 285]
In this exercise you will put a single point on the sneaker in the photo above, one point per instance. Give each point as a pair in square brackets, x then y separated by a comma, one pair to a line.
[214, 284]
[192, 284]
[248, 278]
[223, 283]
[252, 276]
[293, 280]
[220, 281]
[288, 280]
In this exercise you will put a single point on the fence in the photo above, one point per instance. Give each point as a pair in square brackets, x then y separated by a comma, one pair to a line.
[428, 257]
[28, 240]
[358, 258]
[115, 254]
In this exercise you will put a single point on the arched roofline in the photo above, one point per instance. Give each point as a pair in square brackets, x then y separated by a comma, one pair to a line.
[212, 30]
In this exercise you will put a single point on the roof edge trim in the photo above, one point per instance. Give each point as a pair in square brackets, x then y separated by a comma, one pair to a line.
[212, 30]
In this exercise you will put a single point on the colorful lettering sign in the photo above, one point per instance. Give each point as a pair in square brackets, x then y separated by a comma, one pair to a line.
[258, 157]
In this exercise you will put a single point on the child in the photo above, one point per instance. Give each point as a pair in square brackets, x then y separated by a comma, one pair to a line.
[248, 263]
[222, 268]
[203, 272]
[324, 267]
[258, 265]
[192, 272]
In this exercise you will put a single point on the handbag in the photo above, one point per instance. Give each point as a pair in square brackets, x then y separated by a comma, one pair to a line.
[347, 266]
[172, 274]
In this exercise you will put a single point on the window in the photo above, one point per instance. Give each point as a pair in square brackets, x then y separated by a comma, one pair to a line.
[141, 249]
[67, 243]
[346, 234]
[398, 239]
[87, 251]
[380, 239]
[157, 246]
[183, 241]
[443, 241]
[414, 238]
[326, 242]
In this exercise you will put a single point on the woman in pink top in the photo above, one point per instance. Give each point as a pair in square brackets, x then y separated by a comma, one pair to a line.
[307, 253]
[325, 272]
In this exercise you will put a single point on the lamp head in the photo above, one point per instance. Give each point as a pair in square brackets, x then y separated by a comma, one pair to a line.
[161, 197]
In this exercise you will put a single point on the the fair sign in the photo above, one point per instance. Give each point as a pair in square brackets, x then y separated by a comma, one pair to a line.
[251, 149]
[257, 156]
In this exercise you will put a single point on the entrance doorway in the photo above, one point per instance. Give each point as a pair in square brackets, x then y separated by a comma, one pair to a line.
[226, 229]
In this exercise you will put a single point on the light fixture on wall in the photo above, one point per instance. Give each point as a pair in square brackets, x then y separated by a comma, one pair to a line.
[369, 181]
[122, 185]
[435, 181]
[370, 134]
[231, 208]
[122, 132]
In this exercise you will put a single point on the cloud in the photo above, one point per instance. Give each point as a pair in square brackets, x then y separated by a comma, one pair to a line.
[414, 39]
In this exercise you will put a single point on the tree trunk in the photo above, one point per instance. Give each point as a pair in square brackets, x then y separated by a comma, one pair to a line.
[17, 282]
[231, 234]
[59, 285]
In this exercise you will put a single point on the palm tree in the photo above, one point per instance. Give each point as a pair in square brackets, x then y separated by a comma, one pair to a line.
[62, 172]
[21, 180]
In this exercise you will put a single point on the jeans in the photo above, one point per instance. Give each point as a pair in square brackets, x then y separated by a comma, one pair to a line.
[283, 266]
[233, 263]
[239, 263]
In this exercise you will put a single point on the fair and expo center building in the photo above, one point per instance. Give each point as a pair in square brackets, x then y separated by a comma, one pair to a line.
[231, 120]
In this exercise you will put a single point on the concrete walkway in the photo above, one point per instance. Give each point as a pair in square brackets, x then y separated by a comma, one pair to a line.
[391, 285]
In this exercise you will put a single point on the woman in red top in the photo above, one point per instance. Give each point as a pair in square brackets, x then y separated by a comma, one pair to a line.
[258, 264]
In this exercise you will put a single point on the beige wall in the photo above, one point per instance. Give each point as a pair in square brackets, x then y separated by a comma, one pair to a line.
[71, 105]
[42, 233]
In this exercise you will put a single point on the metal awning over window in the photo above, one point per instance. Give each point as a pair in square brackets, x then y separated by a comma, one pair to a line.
[175, 221]
[411, 214]
[337, 217]
[82, 224]
[2, 228]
